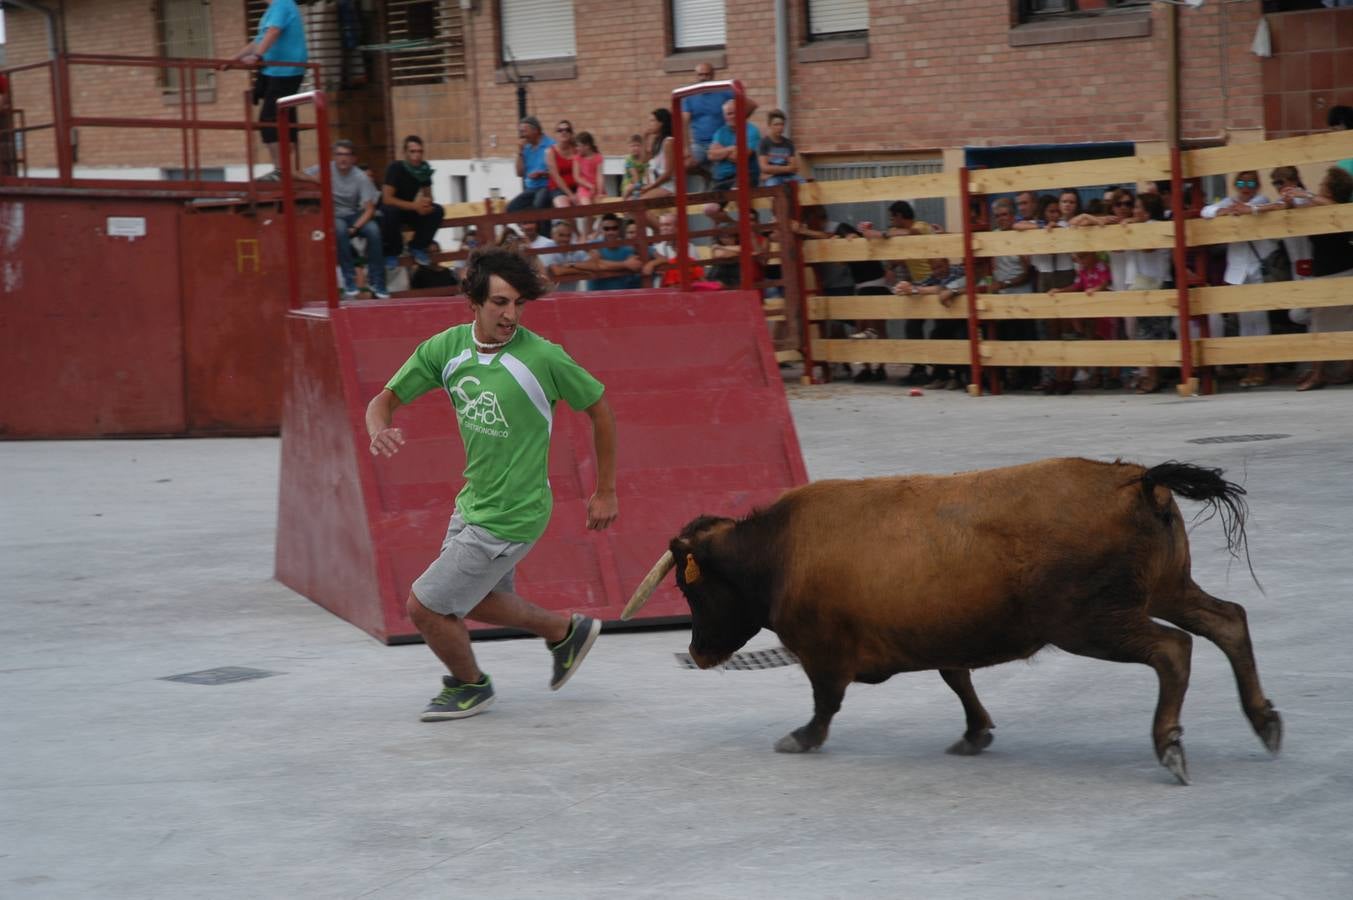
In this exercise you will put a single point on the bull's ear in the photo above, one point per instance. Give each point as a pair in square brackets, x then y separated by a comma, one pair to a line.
[691, 574]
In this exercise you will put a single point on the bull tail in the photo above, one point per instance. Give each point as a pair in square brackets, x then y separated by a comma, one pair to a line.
[1204, 485]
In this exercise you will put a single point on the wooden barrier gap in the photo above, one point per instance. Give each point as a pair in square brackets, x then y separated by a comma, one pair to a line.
[866, 190]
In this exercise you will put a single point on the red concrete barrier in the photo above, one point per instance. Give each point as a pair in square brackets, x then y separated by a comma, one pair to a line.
[703, 425]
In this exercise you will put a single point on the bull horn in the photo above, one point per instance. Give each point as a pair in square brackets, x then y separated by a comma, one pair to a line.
[649, 584]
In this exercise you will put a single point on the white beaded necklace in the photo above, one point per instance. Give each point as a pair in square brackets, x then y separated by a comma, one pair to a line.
[485, 348]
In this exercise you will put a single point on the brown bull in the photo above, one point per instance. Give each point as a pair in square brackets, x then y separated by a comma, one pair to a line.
[970, 570]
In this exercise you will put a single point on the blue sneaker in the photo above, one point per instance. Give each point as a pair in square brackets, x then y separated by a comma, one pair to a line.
[570, 652]
[420, 256]
[459, 699]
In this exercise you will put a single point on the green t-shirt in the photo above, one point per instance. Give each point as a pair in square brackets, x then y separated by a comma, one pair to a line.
[504, 403]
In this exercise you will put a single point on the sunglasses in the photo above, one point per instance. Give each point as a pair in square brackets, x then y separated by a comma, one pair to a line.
[562, 130]
[1246, 183]
[1122, 203]
[610, 228]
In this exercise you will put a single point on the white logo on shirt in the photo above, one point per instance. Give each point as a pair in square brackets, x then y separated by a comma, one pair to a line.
[480, 413]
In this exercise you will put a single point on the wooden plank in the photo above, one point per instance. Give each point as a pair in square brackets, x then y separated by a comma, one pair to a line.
[471, 209]
[1277, 295]
[920, 246]
[922, 306]
[1279, 223]
[883, 351]
[1271, 348]
[1114, 170]
[993, 307]
[1267, 154]
[894, 187]
[1134, 236]
[1080, 353]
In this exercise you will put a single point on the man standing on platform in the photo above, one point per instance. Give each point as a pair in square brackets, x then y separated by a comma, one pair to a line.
[503, 382]
[281, 37]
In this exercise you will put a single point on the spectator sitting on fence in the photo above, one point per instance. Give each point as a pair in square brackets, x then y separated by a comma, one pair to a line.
[587, 169]
[636, 169]
[661, 156]
[532, 146]
[1244, 264]
[1331, 257]
[701, 116]
[779, 161]
[723, 151]
[618, 264]
[561, 159]
[406, 201]
[354, 199]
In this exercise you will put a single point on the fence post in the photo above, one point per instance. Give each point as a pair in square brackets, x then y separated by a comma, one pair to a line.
[970, 279]
[1188, 385]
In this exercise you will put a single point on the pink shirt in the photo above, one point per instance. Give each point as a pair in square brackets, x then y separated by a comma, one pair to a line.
[1093, 278]
[589, 168]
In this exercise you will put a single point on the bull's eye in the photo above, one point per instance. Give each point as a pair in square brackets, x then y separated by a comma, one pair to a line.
[692, 573]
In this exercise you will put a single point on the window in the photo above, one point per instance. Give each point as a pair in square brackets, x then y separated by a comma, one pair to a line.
[837, 18]
[427, 39]
[697, 24]
[184, 31]
[536, 29]
[1036, 9]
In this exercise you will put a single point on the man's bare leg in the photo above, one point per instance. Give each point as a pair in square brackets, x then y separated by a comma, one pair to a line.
[449, 639]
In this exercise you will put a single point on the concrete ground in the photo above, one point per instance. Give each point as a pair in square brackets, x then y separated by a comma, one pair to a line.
[124, 562]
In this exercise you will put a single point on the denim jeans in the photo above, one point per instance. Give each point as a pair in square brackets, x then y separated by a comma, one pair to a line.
[375, 259]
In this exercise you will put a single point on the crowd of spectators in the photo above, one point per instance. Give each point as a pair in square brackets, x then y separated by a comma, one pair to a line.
[615, 252]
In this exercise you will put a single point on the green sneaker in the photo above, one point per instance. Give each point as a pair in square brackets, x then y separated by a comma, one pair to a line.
[459, 699]
[569, 652]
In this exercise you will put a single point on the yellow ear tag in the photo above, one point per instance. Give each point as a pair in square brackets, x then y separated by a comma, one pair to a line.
[692, 573]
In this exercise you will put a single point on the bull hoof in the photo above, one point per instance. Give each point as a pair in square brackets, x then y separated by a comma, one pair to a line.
[965, 747]
[1172, 758]
[1272, 732]
[791, 743]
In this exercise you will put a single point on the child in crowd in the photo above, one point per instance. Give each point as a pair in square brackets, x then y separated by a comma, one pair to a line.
[1092, 275]
[588, 170]
[777, 156]
[636, 168]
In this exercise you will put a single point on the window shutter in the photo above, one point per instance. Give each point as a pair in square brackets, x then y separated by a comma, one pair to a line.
[435, 36]
[837, 16]
[697, 23]
[537, 29]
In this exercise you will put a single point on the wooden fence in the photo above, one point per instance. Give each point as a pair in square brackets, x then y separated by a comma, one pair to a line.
[1182, 303]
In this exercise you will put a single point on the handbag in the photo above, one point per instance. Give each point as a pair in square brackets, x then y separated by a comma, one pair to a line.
[1275, 266]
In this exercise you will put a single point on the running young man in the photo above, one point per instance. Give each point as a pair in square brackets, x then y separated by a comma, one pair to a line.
[503, 382]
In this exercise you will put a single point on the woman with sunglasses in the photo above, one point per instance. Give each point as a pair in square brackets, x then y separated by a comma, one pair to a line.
[1244, 264]
[561, 161]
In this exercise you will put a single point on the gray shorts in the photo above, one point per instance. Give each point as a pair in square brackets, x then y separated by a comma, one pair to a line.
[473, 563]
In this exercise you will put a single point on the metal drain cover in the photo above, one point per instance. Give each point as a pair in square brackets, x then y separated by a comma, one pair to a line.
[774, 658]
[1237, 438]
[223, 675]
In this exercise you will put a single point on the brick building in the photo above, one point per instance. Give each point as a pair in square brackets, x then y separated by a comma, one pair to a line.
[870, 85]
